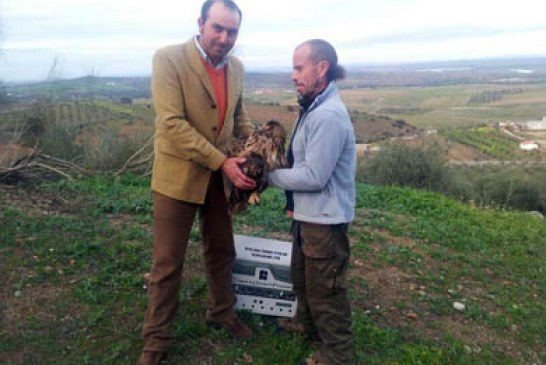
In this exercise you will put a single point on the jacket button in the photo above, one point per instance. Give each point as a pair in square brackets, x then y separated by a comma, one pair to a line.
[213, 106]
[214, 129]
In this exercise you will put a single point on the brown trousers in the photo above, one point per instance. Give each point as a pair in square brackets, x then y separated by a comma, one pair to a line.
[320, 258]
[173, 220]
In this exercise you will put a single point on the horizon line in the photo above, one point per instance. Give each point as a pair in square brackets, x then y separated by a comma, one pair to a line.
[288, 69]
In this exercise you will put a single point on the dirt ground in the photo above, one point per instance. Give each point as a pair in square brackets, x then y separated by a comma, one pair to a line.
[461, 152]
[395, 302]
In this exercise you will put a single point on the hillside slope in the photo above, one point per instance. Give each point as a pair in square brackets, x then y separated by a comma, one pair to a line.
[73, 257]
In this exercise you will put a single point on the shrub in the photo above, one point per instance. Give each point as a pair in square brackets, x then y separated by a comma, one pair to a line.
[60, 142]
[32, 130]
[514, 187]
[425, 167]
[109, 150]
[422, 167]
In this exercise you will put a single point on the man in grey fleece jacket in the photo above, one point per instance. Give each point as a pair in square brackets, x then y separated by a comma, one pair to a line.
[321, 196]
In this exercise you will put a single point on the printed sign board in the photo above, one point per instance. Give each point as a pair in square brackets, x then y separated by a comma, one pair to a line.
[261, 276]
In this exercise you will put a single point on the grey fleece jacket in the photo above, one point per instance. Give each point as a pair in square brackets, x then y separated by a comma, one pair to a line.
[323, 175]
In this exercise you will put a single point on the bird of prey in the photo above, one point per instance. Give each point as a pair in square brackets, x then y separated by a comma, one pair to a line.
[264, 152]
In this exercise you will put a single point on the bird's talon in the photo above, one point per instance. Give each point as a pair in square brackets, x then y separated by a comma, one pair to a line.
[254, 199]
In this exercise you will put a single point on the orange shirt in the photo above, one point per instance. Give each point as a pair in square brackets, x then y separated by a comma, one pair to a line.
[219, 85]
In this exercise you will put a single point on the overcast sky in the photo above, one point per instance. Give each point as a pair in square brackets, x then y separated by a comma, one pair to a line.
[72, 38]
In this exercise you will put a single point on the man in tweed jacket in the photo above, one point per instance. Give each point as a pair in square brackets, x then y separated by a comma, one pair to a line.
[197, 95]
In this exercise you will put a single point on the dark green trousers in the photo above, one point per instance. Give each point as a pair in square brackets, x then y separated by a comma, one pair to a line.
[320, 257]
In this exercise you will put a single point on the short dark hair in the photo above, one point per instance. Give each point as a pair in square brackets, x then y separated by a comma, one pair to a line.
[230, 4]
[324, 51]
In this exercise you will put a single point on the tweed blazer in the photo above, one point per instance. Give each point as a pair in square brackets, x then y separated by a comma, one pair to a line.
[188, 146]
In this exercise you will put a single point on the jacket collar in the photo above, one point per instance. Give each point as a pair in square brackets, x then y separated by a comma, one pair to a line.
[330, 89]
[206, 57]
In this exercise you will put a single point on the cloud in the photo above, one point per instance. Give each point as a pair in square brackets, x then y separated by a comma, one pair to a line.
[116, 36]
[441, 34]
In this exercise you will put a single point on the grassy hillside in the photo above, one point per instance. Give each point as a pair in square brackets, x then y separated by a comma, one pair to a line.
[81, 114]
[73, 257]
[96, 134]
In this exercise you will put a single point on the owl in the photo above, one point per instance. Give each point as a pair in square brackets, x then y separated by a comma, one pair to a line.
[264, 152]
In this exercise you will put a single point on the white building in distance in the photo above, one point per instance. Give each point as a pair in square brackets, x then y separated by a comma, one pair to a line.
[534, 125]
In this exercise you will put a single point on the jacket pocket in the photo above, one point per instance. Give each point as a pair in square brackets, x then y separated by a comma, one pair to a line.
[328, 277]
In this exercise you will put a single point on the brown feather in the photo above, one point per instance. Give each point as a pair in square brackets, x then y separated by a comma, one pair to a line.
[264, 152]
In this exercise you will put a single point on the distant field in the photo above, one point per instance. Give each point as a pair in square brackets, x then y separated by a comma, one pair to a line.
[385, 104]
[262, 112]
[271, 96]
[490, 141]
[442, 107]
[429, 96]
[434, 107]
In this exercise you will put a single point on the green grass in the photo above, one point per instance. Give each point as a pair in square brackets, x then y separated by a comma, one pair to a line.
[506, 250]
[73, 281]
